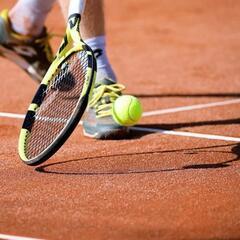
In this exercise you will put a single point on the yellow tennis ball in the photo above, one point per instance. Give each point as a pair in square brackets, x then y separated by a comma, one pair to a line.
[127, 110]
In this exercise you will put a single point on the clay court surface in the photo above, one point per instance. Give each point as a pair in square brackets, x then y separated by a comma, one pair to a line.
[181, 58]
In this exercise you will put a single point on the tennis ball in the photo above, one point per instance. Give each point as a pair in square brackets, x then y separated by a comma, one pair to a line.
[127, 110]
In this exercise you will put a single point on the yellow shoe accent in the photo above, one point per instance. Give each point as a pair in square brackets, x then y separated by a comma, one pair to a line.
[32, 54]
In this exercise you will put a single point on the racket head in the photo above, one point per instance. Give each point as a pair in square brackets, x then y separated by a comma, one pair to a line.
[60, 100]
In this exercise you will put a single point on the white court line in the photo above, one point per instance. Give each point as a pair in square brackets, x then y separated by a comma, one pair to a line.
[22, 116]
[12, 115]
[157, 112]
[187, 134]
[170, 110]
[189, 108]
[167, 132]
[12, 237]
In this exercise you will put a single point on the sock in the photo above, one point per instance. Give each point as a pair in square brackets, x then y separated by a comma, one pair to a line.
[104, 69]
[28, 16]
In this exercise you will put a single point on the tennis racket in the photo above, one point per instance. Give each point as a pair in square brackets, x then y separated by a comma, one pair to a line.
[61, 98]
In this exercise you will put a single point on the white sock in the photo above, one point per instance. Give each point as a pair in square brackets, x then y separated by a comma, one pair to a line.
[104, 69]
[28, 16]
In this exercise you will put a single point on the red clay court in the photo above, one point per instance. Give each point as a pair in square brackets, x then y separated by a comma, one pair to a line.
[178, 175]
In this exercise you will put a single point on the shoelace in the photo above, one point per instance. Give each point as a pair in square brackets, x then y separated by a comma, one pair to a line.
[103, 98]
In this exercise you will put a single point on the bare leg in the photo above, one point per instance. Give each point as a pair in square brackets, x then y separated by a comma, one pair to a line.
[92, 20]
[28, 16]
[93, 32]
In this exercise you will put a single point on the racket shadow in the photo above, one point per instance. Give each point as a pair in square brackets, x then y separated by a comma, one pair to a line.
[53, 168]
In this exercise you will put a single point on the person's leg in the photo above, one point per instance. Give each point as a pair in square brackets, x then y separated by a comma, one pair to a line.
[28, 16]
[93, 33]
[96, 122]
[23, 38]
[92, 24]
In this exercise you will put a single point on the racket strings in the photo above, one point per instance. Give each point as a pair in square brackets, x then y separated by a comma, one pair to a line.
[59, 102]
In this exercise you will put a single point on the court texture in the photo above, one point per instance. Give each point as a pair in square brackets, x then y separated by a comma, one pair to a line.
[177, 176]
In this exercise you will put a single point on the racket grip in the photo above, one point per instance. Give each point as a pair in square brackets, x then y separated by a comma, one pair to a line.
[76, 6]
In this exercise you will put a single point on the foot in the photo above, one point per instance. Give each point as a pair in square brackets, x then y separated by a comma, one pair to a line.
[98, 121]
[32, 54]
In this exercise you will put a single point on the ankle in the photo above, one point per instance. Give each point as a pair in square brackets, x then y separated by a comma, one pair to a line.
[24, 25]
[104, 68]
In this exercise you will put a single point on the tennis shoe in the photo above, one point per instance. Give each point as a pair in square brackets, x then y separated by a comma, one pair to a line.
[32, 54]
[98, 121]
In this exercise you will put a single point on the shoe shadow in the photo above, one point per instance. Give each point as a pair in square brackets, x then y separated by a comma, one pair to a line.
[53, 168]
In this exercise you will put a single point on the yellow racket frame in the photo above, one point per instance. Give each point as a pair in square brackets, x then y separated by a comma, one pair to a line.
[71, 43]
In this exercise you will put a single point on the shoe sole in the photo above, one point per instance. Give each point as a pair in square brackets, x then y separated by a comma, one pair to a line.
[21, 62]
[108, 135]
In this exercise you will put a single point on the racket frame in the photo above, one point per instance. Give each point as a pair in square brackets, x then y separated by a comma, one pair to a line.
[71, 43]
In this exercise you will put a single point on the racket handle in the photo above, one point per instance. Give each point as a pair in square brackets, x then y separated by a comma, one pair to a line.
[76, 6]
